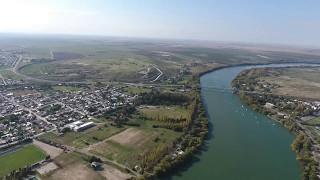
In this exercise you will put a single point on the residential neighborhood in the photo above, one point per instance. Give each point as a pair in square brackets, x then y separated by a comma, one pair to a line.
[30, 112]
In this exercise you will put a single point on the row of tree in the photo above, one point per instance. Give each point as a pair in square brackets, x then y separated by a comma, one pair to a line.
[19, 174]
[162, 98]
[194, 135]
[302, 147]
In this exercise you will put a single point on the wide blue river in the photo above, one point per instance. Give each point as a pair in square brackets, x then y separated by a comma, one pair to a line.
[242, 144]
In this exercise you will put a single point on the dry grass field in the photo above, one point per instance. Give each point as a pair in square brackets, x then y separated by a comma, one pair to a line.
[303, 82]
[71, 166]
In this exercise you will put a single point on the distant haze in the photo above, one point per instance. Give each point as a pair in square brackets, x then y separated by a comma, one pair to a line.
[292, 22]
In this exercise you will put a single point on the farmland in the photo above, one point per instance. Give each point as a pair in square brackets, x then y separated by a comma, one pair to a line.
[155, 112]
[72, 166]
[27, 156]
[82, 139]
[123, 61]
[300, 82]
[130, 145]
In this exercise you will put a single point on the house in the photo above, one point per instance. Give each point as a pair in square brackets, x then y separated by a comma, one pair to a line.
[269, 105]
[84, 126]
[94, 164]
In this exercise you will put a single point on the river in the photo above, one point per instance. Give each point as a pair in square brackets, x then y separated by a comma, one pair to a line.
[242, 144]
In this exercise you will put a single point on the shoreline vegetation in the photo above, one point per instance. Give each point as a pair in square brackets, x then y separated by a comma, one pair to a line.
[302, 145]
[159, 163]
[165, 165]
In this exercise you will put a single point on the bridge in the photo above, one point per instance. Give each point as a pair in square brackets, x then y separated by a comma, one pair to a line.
[217, 89]
[229, 90]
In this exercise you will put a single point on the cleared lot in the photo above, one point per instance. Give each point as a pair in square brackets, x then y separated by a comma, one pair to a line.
[48, 149]
[77, 171]
[47, 168]
[130, 136]
[112, 173]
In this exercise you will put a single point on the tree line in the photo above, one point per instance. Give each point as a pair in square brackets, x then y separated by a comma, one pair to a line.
[160, 163]
[162, 98]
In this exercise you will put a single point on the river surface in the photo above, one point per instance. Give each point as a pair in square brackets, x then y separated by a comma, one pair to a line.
[242, 144]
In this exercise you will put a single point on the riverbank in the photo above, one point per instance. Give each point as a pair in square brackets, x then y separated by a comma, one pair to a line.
[274, 106]
[230, 144]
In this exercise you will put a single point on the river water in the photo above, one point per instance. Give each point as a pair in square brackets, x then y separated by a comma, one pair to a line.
[242, 144]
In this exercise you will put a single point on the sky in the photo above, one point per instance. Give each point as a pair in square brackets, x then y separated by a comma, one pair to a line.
[292, 22]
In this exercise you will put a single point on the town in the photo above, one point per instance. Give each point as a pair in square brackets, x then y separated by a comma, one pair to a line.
[34, 111]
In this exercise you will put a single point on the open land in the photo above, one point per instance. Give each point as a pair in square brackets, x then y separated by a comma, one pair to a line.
[129, 146]
[155, 112]
[71, 166]
[296, 82]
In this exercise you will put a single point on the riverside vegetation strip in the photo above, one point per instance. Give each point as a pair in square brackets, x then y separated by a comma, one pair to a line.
[288, 110]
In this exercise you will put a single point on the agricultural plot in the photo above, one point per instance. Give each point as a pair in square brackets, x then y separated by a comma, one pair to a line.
[160, 112]
[296, 82]
[71, 166]
[65, 88]
[129, 146]
[106, 61]
[82, 139]
[27, 156]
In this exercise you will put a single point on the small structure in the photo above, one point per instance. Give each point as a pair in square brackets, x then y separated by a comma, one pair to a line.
[94, 164]
[269, 105]
[80, 126]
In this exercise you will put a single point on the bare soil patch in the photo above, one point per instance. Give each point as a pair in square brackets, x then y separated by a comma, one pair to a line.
[48, 149]
[128, 137]
[112, 173]
[47, 168]
[75, 172]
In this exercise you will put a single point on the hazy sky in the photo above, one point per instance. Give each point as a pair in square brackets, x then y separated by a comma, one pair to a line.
[268, 21]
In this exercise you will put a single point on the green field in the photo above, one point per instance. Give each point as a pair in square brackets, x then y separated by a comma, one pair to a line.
[82, 139]
[107, 61]
[313, 131]
[8, 74]
[27, 156]
[65, 88]
[141, 140]
[314, 121]
[160, 112]
[136, 90]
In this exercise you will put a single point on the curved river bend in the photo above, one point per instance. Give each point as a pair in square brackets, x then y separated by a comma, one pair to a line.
[242, 144]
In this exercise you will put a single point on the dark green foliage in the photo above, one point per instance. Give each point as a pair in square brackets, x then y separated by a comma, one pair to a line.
[91, 159]
[159, 98]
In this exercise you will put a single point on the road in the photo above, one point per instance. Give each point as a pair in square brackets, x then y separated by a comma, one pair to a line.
[161, 73]
[4, 82]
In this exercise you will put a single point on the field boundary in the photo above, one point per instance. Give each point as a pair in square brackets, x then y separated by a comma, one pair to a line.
[10, 151]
